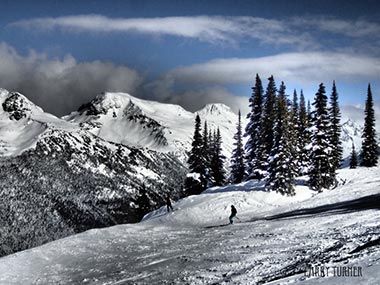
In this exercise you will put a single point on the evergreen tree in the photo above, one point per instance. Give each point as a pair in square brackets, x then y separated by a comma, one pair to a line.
[354, 158]
[336, 128]
[196, 181]
[237, 159]
[369, 155]
[282, 168]
[206, 152]
[268, 119]
[254, 148]
[322, 173]
[294, 111]
[196, 160]
[303, 137]
[217, 166]
[205, 143]
[293, 129]
[309, 112]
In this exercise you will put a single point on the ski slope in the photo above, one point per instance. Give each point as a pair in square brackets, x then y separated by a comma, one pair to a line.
[273, 243]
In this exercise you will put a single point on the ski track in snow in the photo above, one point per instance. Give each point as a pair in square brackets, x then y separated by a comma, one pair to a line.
[272, 244]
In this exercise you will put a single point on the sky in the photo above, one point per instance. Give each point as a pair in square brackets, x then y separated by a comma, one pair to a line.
[61, 54]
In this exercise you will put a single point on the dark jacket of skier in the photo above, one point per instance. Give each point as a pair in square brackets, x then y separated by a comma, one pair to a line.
[169, 203]
[233, 214]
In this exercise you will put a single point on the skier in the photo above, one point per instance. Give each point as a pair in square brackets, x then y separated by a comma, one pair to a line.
[169, 203]
[233, 214]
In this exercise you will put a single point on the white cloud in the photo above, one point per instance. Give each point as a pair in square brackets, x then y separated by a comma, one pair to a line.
[61, 85]
[212, 29]
[299, 32]
[301, 67]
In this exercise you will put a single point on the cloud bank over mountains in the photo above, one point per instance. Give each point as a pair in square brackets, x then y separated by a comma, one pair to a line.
[61, 85]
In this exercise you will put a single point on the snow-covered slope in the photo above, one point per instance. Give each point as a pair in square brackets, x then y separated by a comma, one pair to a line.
[276, 239]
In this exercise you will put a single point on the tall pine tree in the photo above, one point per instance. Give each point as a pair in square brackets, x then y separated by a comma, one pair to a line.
[354, 158]
[303, 137]
[309, 112]
[237, 158]
[322, 172]
[217, 161]
[369, 155]
[196, 181]
[206, 153]
[196, 160]
[336, 128]
[282, 168]
[293, 128]
[254, 148]
[268, 119]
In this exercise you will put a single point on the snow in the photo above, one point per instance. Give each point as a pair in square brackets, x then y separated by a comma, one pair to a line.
[176, 124]
[18, 136]
[275, 240]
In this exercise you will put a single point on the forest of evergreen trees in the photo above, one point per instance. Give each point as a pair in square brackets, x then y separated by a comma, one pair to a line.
[285, 139]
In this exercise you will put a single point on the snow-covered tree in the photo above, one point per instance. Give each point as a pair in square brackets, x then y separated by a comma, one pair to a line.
[354, 158]
[309, 112]
[206, 148]
[336, 128]
[282, 167]
[322, 172]
[196, 160]
[237, 158]
[205, 141]
[218, 172]
[196, 180]
[268, 119]
[293, 128]
[303, 137]
[254, 148]
[369, 155]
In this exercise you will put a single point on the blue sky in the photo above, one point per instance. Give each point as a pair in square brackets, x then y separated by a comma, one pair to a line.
[62, 53]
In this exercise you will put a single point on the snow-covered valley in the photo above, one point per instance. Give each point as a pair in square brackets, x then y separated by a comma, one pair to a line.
[275, 241]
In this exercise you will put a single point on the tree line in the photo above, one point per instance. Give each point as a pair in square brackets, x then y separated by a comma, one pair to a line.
[284, 139]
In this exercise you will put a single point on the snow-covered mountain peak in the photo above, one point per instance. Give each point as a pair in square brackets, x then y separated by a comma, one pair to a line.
[105, 102]
[17, 105]
[214, 109]
[122, 118]
[22, 123]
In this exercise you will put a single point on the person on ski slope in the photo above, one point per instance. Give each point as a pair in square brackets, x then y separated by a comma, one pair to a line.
[169, 203]
[233, 214]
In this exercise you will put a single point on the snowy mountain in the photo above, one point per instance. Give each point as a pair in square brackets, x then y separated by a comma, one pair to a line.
[276, 240]
[122, 118]
[22, 123]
